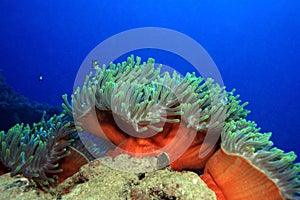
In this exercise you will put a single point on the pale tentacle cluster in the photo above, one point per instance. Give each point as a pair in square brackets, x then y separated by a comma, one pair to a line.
[141, 95]
[36, 151]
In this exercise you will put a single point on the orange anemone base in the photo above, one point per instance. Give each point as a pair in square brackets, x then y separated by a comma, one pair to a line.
[71, 164]
[180, 143]
[233, 177]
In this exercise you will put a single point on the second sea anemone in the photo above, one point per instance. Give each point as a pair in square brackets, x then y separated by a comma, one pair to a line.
[36, 152]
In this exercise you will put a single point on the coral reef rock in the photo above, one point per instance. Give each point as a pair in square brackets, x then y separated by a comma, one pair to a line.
[99, 179]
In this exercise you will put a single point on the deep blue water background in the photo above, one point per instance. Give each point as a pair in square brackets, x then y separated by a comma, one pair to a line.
[255, 45]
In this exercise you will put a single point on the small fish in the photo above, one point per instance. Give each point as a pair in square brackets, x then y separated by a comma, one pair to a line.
[95, 64]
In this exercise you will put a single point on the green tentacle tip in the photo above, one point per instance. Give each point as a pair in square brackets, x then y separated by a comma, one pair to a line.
[68, 153]
[160, 129]
[174, 121]
[45, 183]
[22, 154]
[3, 144]
[35, 175]
[16, 171]
[71, 140]
[7, 153]
[56, 165]
[64, 96]
[51, 180]
[289, 157]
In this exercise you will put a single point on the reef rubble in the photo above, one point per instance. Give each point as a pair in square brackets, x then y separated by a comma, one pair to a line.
[104, 179]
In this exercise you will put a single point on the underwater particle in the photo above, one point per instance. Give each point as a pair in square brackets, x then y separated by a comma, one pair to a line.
[248, 167]
[41, 77]
[15, 108]
[35, 152]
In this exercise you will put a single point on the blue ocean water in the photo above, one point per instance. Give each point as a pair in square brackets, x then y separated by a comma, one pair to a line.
[255, 45]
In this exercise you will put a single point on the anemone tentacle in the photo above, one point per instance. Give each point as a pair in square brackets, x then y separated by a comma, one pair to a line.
[35, 152]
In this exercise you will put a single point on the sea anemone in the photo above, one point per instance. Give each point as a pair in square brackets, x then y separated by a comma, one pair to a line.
[36, 152]
[248, 167]
[144, 112]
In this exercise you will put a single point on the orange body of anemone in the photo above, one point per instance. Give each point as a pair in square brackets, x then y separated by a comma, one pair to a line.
[174, 139]
[232, 177]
